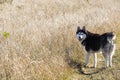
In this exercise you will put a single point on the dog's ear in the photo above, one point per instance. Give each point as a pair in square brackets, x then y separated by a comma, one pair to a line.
[84, 29]
[78, 28]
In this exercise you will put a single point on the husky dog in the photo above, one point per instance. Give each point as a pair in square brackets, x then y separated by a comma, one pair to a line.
[95, 42]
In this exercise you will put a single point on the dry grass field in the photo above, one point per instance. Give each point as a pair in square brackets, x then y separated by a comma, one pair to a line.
[38, 39]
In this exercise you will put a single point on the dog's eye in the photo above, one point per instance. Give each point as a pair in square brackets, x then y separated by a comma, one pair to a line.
[81, 33]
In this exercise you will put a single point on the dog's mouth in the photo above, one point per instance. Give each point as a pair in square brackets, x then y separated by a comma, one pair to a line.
[80, 39]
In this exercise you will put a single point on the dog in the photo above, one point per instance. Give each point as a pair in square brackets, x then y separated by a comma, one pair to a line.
[93, 43]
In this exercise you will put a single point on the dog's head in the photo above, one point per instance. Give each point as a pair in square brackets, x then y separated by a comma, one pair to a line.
[81, 33]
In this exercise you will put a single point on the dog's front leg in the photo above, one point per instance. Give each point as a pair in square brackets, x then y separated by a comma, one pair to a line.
[95, 59]
[87, 59]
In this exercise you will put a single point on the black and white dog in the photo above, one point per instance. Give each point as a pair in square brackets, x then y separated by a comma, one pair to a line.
[95, 42]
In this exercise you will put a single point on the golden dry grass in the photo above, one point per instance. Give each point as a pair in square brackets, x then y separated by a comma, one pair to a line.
[41, 42]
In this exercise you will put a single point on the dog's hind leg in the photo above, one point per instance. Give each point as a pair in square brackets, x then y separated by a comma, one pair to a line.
[95, 59]
[106, 56]
[110, 60]
[111, 55]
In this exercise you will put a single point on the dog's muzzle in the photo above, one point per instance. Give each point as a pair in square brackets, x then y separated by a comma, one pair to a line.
[80, 39]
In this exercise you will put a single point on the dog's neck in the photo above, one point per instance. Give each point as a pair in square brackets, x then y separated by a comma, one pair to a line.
[83, 42]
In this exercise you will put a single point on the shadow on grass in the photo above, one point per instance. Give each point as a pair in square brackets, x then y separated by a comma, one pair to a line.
[80, 66]
[81, 69]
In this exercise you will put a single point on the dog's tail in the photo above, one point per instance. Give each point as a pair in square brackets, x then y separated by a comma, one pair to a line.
[111, 37]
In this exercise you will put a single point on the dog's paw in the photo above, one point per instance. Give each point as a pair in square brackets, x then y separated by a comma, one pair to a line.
[94, 66]
[85, 66]
[110, 65]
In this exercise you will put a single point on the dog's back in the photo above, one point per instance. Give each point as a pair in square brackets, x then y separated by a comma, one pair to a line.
[95, 42]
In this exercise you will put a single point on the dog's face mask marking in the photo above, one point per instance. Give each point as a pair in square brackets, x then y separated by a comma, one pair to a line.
[81, 34]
